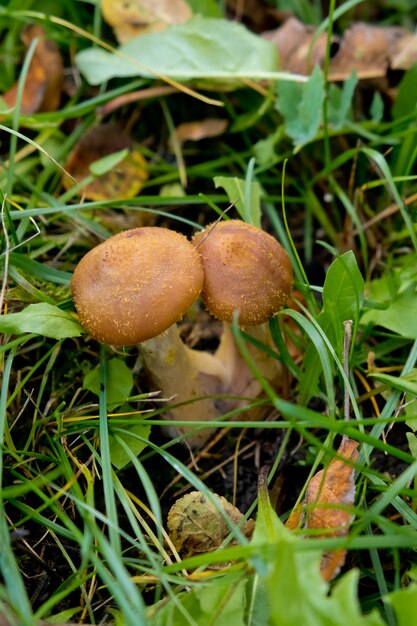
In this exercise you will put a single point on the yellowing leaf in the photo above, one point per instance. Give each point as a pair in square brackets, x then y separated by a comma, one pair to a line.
[130, 18]
[124, 180]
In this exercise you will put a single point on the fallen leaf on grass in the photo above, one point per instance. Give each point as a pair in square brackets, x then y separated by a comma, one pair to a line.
[366, 49]
[124, 180]
[206, 48]
[196, 525]
[43, 83]
[330, 487]
[130, 18]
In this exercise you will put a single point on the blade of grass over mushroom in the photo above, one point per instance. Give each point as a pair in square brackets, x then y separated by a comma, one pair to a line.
[244, 194]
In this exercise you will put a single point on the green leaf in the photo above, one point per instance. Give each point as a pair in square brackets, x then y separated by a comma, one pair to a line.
[236, 189]
[342, 296]
[199, 48]
[404, 602]
[301, 106]
[400, 316]
[119, 381]
[41, 319]
[342, 300]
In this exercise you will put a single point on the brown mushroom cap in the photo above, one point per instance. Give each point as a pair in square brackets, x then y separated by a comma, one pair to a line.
[245, 270]
[136, 284]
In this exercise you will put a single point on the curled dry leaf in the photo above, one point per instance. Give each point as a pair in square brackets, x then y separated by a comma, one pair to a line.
[125, 180]
[43, 84]
[330, 487]
[196, 525]
[130, 18]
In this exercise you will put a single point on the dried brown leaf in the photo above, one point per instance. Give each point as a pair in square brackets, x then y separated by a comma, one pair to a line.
[297, 52]
[43, 84]
[330, 487]
[196, 525]
[367, 50]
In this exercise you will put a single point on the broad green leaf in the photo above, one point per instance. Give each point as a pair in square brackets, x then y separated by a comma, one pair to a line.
[199, 48]
[342, 296]
[404, 602]
[235, 189]
[119, 381]
[400, 316]
[41, 319]
[342, 300]
[301, 106]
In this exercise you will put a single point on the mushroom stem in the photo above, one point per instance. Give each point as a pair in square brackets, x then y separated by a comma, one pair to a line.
[194, 377]
[188, 376]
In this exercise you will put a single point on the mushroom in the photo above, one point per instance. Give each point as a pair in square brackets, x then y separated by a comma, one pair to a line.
[131, 289]
[136, 284]
[246, 272]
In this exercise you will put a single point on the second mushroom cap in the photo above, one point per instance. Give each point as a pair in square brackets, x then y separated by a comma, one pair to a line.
[246, 270]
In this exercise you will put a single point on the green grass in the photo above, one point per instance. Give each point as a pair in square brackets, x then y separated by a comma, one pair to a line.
[85, 542]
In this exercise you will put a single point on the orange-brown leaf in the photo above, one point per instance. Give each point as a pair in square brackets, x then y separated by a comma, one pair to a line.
[330, 487]
[43, 84]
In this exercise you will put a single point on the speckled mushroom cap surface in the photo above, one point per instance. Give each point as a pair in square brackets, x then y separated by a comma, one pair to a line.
[245, 270]
[136, 284]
